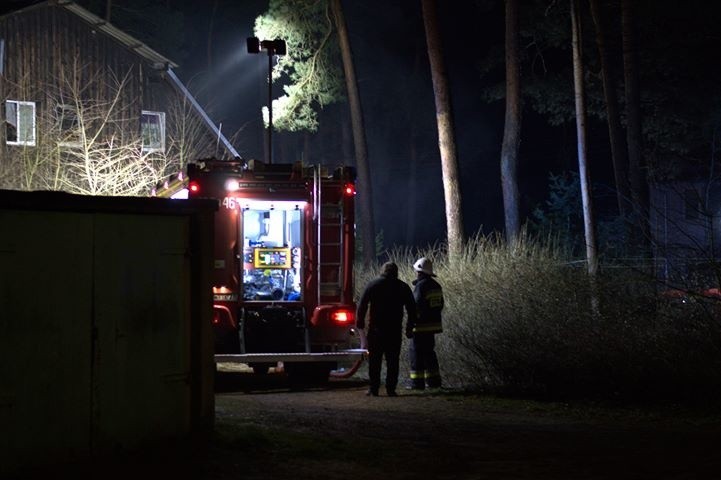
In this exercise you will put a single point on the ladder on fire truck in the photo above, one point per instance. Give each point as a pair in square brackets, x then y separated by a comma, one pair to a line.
[329, 223]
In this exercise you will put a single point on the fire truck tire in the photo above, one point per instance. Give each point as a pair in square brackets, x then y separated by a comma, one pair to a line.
[304, 374]
[260, 368]
[320, 372]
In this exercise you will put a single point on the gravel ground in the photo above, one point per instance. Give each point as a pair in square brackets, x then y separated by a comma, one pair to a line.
[265, 430]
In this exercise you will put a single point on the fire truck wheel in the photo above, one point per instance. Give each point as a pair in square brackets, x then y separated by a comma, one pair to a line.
[319, 373]
[260, 368]
[308, 374]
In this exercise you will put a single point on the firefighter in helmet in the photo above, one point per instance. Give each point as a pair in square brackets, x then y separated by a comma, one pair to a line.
[386, 297]
[428, 295]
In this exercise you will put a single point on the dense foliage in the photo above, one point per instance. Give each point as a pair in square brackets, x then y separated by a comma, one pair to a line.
[560, 216]
[520, 321]
[311, 65]
[678, 84]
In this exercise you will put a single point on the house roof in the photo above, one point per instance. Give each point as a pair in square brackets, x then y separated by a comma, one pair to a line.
[155, 59]
[131, 43]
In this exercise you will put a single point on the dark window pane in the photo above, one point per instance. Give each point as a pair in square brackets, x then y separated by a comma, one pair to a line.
[11, 119]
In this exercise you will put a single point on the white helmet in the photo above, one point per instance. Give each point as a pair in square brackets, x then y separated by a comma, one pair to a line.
[424, 265]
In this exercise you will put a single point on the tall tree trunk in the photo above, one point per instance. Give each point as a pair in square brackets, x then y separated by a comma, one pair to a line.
[307, 156]
[346, 135]
[636, 166]
[280, 153]
[584, 174]
[446, 142]
[365, 195]
[512, 129]
[619, 158]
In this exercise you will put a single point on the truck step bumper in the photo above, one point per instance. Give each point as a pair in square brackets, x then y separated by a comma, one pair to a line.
[340, 355]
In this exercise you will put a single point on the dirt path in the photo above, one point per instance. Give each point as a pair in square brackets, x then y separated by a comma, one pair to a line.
[266, 431]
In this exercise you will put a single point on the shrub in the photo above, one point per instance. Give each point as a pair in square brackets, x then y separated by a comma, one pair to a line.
[524, 319]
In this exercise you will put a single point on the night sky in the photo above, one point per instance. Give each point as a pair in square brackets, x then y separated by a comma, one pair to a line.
[388, 43]
[389, 48]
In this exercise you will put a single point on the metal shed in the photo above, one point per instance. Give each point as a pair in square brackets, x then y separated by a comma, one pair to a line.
[105, 324]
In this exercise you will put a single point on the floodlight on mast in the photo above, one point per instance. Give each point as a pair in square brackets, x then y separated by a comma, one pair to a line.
[273, 47]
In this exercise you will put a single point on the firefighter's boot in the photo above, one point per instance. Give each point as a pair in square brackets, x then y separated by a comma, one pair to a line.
[417, 380]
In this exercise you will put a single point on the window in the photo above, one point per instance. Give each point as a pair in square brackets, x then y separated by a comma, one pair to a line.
[20, 122]
[66, 117]
[2, 56]
[152, 130]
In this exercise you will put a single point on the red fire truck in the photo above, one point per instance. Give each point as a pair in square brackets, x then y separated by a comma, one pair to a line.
[283, 273]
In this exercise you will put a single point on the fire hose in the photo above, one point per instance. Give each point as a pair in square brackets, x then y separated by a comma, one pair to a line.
[353, 369]
[356, 365]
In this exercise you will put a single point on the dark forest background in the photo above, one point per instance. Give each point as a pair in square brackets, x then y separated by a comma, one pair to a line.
[680, 92]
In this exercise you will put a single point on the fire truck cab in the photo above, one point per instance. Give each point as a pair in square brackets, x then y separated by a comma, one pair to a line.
[283, 264]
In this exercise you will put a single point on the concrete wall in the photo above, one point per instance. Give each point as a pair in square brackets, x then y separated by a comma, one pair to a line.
[105, 324]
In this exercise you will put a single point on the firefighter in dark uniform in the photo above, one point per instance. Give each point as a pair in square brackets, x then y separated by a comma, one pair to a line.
[387, 297]
[428, 295]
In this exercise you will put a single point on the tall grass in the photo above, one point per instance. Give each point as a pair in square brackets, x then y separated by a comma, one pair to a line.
[518, 320]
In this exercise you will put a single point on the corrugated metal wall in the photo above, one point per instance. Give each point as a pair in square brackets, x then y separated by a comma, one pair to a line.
[105, 325]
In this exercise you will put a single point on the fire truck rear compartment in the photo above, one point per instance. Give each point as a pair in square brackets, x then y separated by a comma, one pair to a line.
[273, 329]
[283, 270]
